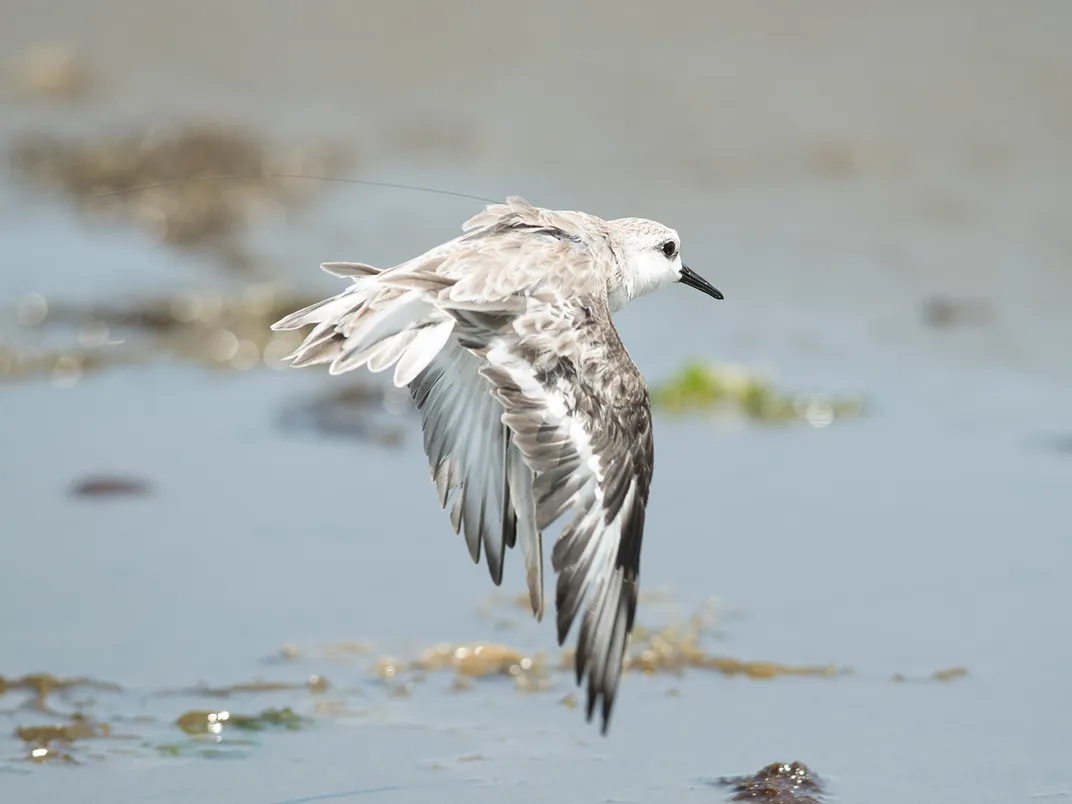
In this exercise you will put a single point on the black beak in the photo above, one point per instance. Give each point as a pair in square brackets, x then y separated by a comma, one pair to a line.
[694, 280]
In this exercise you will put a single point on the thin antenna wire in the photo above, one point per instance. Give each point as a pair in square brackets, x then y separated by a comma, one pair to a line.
[238, 176]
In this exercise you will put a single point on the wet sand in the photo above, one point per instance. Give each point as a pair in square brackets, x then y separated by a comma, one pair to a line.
[849, 178]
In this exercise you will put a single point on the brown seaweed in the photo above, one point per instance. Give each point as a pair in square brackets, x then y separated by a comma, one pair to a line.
[777, 783]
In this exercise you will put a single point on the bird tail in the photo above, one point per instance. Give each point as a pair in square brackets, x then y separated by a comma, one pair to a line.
[372, 323]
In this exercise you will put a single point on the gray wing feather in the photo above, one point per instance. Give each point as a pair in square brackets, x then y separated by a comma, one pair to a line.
[476, 467]
[579, 411]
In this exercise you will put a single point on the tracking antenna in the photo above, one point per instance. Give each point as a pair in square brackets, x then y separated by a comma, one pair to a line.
[336, 179]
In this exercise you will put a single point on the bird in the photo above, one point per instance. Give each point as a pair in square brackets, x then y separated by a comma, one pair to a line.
[531, 406]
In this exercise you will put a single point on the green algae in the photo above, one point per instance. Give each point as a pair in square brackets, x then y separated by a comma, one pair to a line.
[707, 387]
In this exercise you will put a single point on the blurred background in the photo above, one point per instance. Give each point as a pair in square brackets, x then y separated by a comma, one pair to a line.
[857, 546]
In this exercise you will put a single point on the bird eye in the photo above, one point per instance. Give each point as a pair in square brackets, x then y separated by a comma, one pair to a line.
[670, 249]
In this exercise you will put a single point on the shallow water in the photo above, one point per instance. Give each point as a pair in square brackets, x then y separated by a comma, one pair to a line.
[930, 534]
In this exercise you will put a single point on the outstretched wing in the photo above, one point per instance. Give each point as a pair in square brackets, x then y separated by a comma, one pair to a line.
[580, 413]
[393, 317]
[472, 456]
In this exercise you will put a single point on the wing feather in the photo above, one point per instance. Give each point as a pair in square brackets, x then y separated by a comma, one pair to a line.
[580, 413]
[476, 467]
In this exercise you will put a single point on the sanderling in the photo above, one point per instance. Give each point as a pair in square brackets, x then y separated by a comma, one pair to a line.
[531, 404]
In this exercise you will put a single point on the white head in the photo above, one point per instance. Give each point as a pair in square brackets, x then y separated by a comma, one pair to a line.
[652, 256]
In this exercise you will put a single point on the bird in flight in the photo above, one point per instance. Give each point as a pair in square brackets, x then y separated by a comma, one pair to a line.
[532, 407]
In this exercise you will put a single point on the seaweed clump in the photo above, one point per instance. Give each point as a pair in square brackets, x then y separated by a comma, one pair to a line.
[943, 676]
[232, 332]
[469, 661]
[205, 722]
[53, 71]
[675, 648]
[717, 388]
[42, 686]
[669, 650]
[55, 742]
[157, 181]
[52, 743]
[778, 783]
